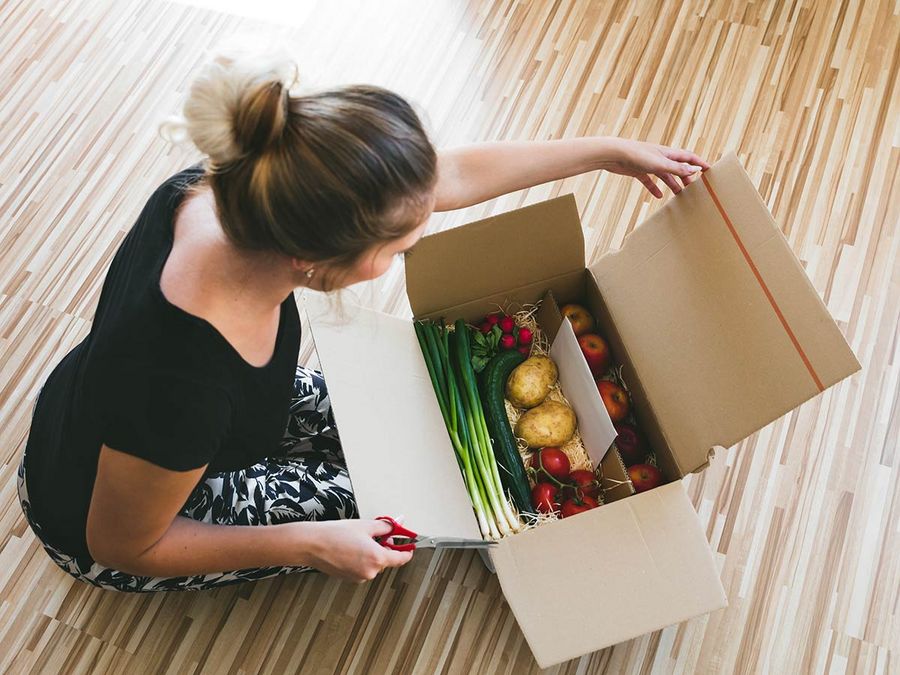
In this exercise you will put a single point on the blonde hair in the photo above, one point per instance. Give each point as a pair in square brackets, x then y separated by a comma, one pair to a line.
[320, 175]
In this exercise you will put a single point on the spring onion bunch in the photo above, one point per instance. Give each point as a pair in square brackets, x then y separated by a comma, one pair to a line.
[449, 361]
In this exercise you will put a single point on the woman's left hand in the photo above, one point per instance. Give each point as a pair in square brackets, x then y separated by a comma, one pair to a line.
[641, 160]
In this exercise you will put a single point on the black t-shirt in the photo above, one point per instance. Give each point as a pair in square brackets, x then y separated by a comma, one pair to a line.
[152, 380]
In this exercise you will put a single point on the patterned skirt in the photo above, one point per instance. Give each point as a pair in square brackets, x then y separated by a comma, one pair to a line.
[309, 481]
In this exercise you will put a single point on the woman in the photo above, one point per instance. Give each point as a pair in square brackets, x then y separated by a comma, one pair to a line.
[182, 422]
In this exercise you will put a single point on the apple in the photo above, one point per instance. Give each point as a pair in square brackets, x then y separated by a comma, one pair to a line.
[615, 399]
[630, 443]
[581, 319]
[596, 353]
[644, 477]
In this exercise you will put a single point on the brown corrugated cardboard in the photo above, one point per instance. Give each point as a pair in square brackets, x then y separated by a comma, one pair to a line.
[723, 328]
[718, 332]
[623, 569]
[491, 257]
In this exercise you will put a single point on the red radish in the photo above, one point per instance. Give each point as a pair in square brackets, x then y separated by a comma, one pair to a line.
[544, 497]
[507, 342]
[492, 318]
[507, 324]
[485, 327]
[552, 462]
[525, 350]
[524, 336]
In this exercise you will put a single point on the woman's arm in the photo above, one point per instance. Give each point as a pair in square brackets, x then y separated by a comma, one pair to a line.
[133, 527]
[472, 174]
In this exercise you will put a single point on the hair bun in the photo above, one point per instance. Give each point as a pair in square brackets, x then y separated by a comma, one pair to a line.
[237, 103]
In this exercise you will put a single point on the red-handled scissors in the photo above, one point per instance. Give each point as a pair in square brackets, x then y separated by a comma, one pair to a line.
[419, 541]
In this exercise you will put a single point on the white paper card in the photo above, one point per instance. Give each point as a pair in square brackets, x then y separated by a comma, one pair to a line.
[577, 383]
[392, 432]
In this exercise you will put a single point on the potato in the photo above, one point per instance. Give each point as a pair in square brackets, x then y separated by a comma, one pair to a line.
[550, 423]
[530, 382]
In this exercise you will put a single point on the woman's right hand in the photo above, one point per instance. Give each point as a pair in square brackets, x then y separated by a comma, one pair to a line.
[346, 548]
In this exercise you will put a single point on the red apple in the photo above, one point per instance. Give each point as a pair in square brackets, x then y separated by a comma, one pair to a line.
[615, 399]
[644, 477]
[630, 443]
[596, 353]
[581, 319]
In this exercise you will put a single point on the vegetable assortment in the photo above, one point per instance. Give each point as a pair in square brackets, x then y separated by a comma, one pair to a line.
[485, 378]
[448, 358]
[493, 383]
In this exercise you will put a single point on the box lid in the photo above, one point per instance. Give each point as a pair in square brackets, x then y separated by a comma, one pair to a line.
[723, 327]
[530, 244]
[624, 569]
[393, 436]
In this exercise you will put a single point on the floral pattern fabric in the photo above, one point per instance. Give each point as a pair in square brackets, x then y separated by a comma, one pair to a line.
[307, 480]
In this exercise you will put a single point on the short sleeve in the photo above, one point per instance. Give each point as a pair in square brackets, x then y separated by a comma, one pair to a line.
[172, 420]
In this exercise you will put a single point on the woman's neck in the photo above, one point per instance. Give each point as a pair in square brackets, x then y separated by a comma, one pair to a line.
[253, 283]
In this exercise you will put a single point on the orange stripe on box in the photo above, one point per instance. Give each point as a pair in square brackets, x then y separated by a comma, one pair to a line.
[762, 283]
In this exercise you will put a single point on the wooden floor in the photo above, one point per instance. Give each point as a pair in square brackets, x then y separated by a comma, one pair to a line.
[804, 516]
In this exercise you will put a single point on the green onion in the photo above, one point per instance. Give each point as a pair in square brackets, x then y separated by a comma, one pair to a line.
[449, 362]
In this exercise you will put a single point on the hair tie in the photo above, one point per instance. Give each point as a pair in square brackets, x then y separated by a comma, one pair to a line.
[286, 100]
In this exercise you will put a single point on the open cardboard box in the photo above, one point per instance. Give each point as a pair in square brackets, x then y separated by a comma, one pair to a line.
[719, 333]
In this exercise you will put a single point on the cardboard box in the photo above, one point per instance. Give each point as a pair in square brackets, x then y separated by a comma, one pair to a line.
[719, 332]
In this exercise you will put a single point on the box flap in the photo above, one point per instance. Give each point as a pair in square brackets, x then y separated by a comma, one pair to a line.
[398, 452]
[488, 256]
[724, 328]
[629, 567]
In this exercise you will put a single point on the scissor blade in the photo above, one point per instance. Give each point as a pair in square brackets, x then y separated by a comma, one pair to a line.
[453, 542]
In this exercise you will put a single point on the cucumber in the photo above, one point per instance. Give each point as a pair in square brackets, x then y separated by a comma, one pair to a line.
[512, 471]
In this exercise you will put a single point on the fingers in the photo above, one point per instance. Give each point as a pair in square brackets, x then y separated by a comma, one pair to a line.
[379, 527]
[669, 180]
[686, 156]
[687, 180]
[388, 557]
[681, 169]
[396, 558]
[650, 185]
